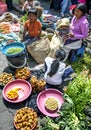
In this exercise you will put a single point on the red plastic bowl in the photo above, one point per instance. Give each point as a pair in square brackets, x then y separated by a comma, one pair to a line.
[44, 95]
[24, 93]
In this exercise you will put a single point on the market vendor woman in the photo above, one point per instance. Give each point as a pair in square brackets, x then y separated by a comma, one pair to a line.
[32, 27]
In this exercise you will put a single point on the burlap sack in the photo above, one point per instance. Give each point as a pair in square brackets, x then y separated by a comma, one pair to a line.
[39, 49]
[55, 44]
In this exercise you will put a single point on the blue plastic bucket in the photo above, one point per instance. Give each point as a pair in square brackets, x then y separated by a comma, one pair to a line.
[11, 46]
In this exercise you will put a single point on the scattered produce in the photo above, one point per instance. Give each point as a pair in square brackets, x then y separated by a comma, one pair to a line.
[51, 104]
[47, 123]
[24, 17]
[37, 84]
[4, 28]
[14, 50]
[1, 38]
[5, 78]
[25, 119]
[22, 73]
[9, 41]
[12, 94]
[7, 18]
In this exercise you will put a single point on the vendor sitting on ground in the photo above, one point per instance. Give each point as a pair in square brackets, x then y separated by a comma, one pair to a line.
[55, 70]
[32, 26]
[63, 27]
[45, 23]
[79, 28]
[30, 4]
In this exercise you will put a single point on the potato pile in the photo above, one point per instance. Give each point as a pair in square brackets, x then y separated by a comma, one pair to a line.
[22, 73]
[37, 85]
[5, 78]
[25, 119]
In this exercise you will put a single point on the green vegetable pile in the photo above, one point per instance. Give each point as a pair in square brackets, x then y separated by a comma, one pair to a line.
[80, 92]
[24, 17]
[14, 50]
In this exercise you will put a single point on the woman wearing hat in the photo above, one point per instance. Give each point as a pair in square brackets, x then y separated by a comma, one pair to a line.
[79, 28]
[63, 27]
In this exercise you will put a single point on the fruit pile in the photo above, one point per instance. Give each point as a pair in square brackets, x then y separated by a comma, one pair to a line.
[37, 84]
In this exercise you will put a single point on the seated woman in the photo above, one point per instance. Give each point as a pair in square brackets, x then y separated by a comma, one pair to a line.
[79, 28]
[63, 27]
[55, 70]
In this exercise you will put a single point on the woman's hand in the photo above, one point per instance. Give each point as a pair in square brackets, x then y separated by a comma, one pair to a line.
[70, 35]
[64, 37]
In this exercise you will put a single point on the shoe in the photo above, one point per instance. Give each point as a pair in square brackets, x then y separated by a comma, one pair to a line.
[73, 75]
[62, 15]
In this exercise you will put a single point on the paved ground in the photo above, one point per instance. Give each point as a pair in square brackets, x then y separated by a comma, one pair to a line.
[7, 110]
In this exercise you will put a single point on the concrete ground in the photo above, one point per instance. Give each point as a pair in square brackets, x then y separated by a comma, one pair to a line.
[7, 110]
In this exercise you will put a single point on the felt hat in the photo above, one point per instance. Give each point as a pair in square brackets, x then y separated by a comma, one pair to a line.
[64, 22]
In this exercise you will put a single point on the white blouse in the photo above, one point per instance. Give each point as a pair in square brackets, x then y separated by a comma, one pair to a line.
[56, 79]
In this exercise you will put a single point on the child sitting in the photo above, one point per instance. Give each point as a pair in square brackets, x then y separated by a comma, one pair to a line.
[32, 26]
[55, 70]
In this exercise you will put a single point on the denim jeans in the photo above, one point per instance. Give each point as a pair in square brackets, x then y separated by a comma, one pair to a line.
[65, 4]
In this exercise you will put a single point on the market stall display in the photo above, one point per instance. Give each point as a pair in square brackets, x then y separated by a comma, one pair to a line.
[15, 48]
[37, 84]
[22, 86]
[25, 118]
[44, 96]
[12, 94]
[51, 104]
[5, 28]
[5, 78]
[22, 73]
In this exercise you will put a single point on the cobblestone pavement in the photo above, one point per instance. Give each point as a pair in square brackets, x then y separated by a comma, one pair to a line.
[7, 110]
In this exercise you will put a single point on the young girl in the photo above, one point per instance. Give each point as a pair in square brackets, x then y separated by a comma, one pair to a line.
[55, 70]
[32, 27]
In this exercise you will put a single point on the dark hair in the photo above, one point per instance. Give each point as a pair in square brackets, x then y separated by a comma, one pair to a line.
[32, 11]
[59, 55]
[82, 7]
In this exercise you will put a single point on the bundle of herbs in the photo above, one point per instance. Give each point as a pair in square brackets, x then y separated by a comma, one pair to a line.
[80, 92]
